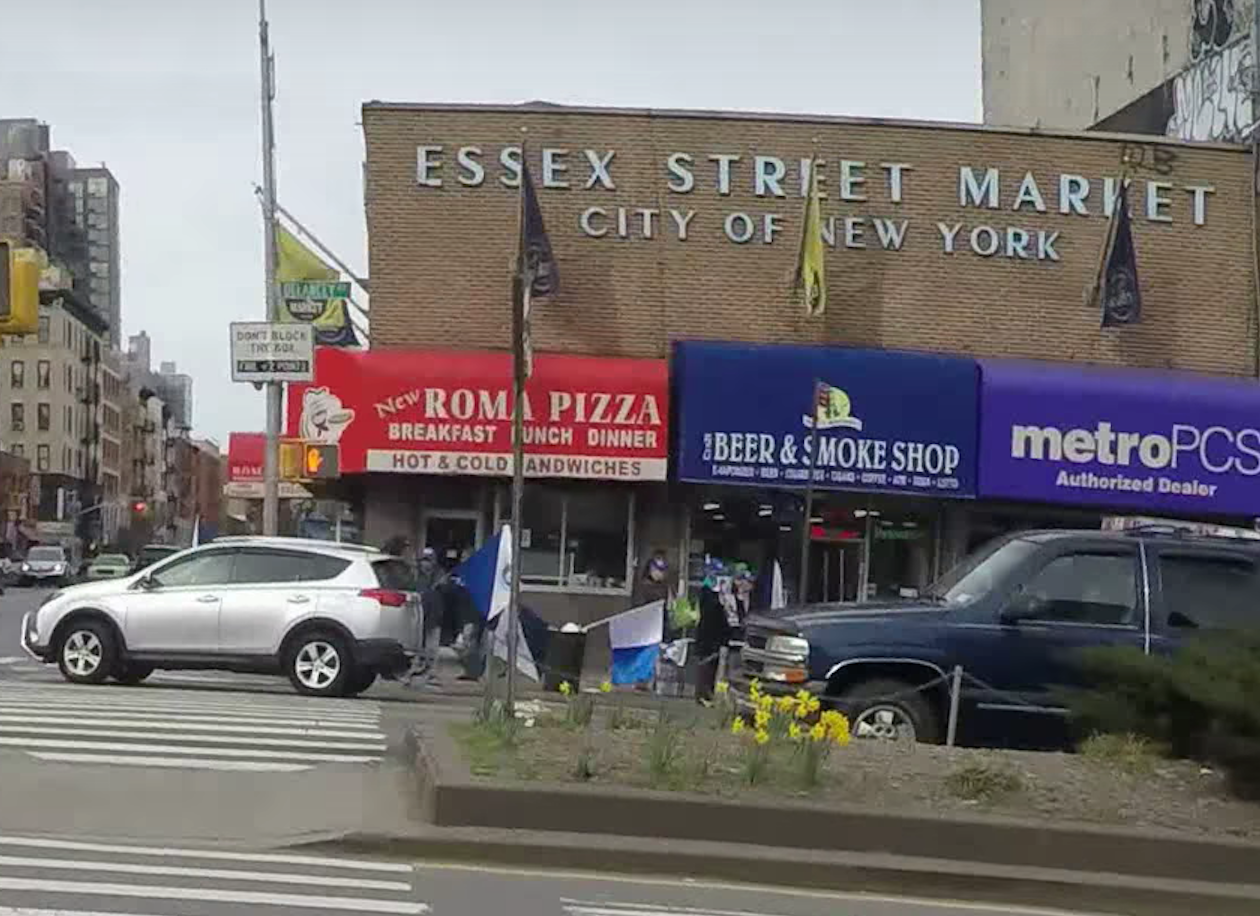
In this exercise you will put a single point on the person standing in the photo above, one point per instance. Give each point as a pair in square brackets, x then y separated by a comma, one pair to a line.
[429, 580]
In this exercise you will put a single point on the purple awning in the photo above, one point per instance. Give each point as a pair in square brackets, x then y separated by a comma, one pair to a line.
[1135, 439]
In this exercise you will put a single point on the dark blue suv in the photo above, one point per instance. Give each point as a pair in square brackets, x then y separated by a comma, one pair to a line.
[1012, 616]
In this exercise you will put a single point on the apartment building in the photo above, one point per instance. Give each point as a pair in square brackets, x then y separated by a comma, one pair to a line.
[56, 394]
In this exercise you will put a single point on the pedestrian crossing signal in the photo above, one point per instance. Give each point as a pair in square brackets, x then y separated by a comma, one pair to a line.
[321, 462]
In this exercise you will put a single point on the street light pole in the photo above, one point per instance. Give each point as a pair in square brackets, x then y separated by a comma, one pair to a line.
[271, 457]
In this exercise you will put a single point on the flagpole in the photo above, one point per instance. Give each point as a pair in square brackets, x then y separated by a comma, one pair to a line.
[520, 333]
[274, 393]
[812, 439]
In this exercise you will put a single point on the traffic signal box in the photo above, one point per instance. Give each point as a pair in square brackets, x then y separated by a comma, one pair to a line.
[309, 460]
[19, 290]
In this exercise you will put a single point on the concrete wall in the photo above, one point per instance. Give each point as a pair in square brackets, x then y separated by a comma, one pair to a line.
[1070, 63]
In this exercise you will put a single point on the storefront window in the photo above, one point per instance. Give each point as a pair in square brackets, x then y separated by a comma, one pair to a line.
[574, 538]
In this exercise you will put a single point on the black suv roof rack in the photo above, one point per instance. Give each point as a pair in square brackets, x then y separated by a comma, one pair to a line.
[1185, 531]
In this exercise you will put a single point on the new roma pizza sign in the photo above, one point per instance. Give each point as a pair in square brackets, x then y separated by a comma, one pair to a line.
[450, 412]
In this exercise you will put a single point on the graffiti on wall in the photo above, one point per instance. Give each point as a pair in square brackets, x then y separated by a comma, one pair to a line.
[1212, 96]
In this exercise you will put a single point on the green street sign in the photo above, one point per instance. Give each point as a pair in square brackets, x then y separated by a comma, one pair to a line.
[315, 289]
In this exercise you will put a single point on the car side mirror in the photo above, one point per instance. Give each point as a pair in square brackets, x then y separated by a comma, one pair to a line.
[1023, 606]
[148, 583]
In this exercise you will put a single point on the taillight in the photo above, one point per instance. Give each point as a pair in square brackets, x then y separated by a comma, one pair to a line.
[386, 596]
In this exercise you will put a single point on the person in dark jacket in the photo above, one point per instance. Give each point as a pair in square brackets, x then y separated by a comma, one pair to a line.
[713, 630]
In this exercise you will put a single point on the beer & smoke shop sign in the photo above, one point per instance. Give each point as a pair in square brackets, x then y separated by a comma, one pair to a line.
[1000, 210]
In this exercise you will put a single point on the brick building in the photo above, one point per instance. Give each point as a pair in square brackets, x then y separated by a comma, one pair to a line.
[955, 252]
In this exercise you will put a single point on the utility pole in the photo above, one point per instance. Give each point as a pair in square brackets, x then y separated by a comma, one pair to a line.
[271, 458]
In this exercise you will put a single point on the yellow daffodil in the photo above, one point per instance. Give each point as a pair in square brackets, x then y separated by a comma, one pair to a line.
[765, 703]
[721, 687]
[761, 718]
[762, 736]
[566, 688]
[815, 704]
[605, 687]
[737, 726]
[818, 732]
[785, 704]
[794, 731]
[754, 689]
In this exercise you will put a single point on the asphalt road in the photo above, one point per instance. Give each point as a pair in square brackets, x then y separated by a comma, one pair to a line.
[55, 877]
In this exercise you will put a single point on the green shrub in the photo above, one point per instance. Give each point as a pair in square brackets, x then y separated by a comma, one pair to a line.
[1202, 703]
[980, 782]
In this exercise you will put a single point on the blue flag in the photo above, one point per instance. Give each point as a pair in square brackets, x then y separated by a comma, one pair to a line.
[1119, 292]
[487, 575]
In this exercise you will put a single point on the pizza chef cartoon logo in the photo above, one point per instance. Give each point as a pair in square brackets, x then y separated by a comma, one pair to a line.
[324, 418]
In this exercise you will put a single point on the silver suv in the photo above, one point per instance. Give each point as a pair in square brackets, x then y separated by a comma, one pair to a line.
[330, 616]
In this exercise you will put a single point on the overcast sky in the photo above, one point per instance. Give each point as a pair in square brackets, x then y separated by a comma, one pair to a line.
[168, 98]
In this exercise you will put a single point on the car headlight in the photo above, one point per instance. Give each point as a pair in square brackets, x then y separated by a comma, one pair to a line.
[792, 646]
[58, 567]
[26, 567]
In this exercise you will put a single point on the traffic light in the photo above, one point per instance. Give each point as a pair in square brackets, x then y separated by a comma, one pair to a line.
[291, 467]
[19, 289]
[321, 461]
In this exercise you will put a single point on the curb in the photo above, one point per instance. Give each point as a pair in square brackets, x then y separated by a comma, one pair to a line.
[851, 873]
[451, 798]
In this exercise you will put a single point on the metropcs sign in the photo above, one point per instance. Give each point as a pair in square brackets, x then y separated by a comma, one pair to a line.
[869, 194]
[1216, 449]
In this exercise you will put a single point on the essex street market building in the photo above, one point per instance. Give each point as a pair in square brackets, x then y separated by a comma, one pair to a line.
[668, 227]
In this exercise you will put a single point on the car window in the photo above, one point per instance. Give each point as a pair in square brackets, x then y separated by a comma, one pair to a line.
[112, 559]
[198, 569]
[1204, 591]
[45, 554]
[257, 566]
[395, 574]
[1095, 588]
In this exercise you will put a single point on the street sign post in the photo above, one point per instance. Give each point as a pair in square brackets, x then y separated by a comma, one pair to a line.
[266, 351]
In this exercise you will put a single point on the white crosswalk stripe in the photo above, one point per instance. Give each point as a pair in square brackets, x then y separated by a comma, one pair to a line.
[49, 877]
[188, 729]
[591, 908]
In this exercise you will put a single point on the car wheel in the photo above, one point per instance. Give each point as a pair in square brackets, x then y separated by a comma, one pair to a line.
[87, 653]
[360, 680]
[884, 709]
[131, 673]
[319, 664]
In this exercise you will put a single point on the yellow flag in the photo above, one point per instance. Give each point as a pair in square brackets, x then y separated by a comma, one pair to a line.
[294, 261]
[811, 265]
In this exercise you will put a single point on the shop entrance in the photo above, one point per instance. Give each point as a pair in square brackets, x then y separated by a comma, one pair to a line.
[835, 571]
[451, 533]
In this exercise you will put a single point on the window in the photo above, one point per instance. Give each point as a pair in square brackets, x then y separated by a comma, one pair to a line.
[19, 449]
[213, 568]
[1206, 591]
[17, 374]
[259, 566]
[576, 538]
[395, 574]
[43, 417]
[69, 373]
[43, 329]
[1090, 588]
[41, 458]
[17, 417]
[43, 375]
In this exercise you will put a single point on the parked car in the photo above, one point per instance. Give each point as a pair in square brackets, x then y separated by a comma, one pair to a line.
[1012, 617]
[151, 553]
[45, 564]
[331, 617]
[109, 566]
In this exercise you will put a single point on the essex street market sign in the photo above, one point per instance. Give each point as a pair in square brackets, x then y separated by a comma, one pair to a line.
[906, 422]
[264, 351]
[1001, 211]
